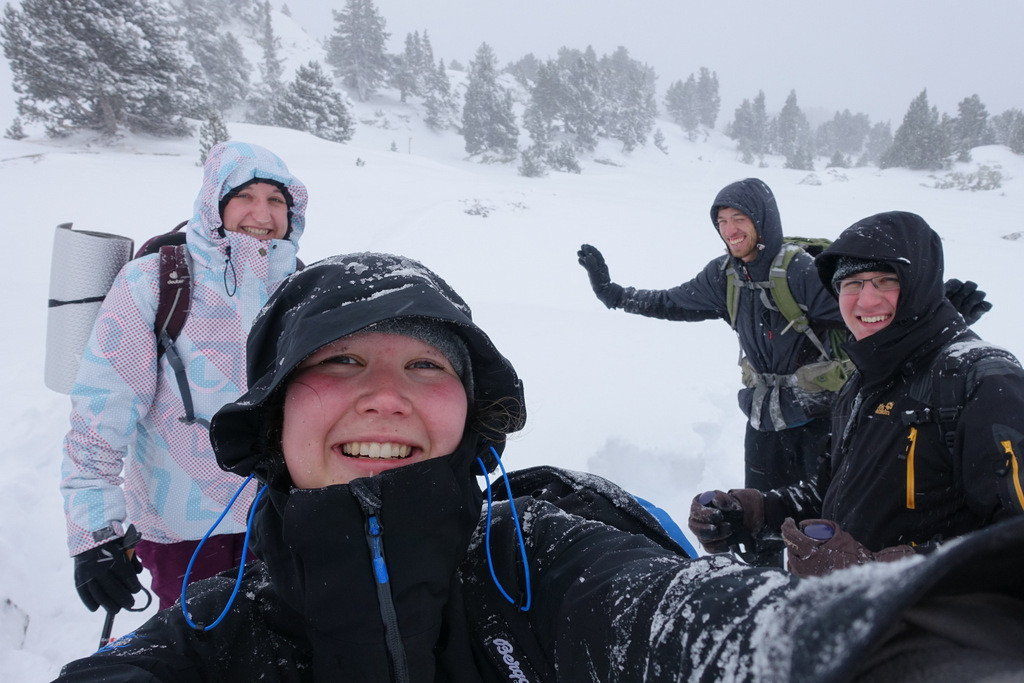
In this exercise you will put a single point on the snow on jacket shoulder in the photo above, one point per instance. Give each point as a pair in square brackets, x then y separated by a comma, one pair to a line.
[607, 605]
[126, 406]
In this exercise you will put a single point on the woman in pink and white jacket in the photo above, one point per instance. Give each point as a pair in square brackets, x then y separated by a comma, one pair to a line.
[131, 459]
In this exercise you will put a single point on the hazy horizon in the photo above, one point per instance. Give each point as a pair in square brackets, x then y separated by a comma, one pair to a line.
[872, 57]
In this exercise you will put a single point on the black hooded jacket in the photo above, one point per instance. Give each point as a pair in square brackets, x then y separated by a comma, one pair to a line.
[762, 330]
[401, 576]
[891, 479]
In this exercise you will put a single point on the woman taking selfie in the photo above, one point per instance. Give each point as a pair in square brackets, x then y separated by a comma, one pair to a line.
[376, 406]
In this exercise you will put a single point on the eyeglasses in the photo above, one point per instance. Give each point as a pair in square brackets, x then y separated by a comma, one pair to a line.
[883, 283]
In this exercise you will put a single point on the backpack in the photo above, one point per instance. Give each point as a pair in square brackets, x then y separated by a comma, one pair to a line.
[831, 373]
[944, 389]
[173, 303]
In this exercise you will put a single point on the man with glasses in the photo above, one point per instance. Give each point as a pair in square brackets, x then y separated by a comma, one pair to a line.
[927, 436]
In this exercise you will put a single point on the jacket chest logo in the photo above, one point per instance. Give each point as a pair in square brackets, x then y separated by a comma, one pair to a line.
[885, 408]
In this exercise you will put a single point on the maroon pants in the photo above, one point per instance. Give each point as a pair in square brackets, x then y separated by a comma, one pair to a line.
[167, 562]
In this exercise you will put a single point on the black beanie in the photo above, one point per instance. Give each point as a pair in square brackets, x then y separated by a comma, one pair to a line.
[851, 265]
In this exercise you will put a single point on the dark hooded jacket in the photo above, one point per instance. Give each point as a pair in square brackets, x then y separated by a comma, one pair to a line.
[401, 576]
[892, 479]
[762, 330]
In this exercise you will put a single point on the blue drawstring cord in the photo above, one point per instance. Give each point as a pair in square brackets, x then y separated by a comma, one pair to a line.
[245, 548]
[519, 533]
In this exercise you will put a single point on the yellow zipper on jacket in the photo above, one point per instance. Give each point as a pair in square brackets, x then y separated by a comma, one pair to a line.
[911, 485]
[1015, 467]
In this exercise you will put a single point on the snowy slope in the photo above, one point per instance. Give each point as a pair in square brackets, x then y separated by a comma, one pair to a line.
[649, 404]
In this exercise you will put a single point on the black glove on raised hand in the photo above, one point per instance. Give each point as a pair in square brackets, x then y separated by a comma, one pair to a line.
[607, 291]
[721, 520]
[967, 299]
[107, 575]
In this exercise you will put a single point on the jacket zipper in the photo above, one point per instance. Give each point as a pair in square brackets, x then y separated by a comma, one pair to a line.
[375, 541]
[911, 484]
[1015, 468]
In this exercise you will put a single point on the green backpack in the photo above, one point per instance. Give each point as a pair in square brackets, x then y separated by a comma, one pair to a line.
[832, 371]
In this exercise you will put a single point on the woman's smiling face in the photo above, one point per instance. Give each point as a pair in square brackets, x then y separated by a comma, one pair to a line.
[368, 403]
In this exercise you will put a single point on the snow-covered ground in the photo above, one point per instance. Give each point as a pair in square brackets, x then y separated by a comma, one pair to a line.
[647, 403]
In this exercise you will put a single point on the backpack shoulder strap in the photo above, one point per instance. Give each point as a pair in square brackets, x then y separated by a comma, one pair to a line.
[175, 295]
[175, 299]
[943, 389]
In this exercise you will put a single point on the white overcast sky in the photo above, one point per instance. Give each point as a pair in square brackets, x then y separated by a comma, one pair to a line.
[873, 56]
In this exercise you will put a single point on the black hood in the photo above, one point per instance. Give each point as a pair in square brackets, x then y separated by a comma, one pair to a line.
[755, 199]
[906, 243]
[334, 298]
[924, 317]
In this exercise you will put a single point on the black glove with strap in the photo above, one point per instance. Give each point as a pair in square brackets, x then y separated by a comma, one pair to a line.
[107, 575]
[607, 291]
[722, 520]
[967, 299]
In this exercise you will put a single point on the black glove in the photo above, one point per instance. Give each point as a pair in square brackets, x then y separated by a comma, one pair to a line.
[107, 575]
[722, 520]
[607, 291]
[967, 299]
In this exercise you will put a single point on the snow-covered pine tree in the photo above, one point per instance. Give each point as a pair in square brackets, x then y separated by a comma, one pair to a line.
[217, 52]
[793, 135]
[211, 132]
[628, 105]
[970, 128]
[750, 128]
[681, 105]
[843, 133]
[102, 65]
[310, 103]
[919, 142]
[580, 98]
[1008, 129]
[708, 101]
[15, 132]
[878, 141]
[488, 122]
[544, 105]
[356, 49]
[266, 94]
[439, 103]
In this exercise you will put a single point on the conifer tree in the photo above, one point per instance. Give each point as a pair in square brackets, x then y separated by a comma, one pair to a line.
[708, 101]
[356, 49]
[310, 103]
[580, 100]
[750, 128]
[211, 132]
[628, 104]
[681, 105]
[262, 101]
[878, 141]
[217, 52]
[970, 127]
[844, 133]
[99, 65]
[1008, 129]
[439, 103]
[919, 142]
[488, 122]
[793, 135]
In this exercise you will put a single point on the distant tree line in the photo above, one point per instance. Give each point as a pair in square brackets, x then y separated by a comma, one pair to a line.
[148, 66]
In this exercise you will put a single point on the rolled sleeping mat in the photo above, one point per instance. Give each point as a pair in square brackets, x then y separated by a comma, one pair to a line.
[84, 266]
